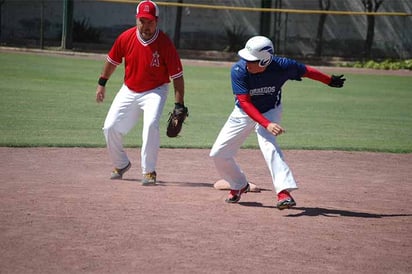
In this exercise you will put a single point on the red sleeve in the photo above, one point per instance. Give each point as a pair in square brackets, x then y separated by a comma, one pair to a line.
[248, 107]
[116, 54]
[173, 62]
[315, 74]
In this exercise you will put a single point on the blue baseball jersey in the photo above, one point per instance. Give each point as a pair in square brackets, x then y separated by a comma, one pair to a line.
[265, 89]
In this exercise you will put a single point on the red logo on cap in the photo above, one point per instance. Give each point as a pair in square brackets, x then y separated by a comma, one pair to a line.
[147, 9]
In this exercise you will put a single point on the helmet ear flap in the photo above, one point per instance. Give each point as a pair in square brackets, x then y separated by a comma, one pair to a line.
[263, 63]
[266, 56]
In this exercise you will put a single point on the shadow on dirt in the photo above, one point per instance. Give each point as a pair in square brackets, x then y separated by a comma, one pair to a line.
[164, 183]
[256, 204]
[327, 212]
[319, 211]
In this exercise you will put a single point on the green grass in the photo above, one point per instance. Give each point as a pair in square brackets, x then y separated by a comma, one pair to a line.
[49, 101]
[371, 113]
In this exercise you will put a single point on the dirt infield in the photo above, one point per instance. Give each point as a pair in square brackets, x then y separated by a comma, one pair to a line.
[61, 214]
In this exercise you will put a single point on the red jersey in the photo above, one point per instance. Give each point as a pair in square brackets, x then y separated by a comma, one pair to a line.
[148, 64]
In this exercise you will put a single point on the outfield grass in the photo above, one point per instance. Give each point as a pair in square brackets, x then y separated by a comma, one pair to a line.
[49, 101]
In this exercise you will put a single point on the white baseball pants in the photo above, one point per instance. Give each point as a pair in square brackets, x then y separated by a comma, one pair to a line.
[125, 111]
[233, 134]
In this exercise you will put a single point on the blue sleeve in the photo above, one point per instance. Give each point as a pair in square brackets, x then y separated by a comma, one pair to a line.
[295, 70]
[238, 77]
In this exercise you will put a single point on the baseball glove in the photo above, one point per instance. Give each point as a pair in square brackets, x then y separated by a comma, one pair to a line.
[176, 119]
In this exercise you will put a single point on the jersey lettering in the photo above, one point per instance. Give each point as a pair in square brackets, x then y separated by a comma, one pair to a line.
[155, 60]
[262, 91]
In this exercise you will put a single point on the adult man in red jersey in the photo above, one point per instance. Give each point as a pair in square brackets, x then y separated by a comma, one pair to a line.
[150, 61]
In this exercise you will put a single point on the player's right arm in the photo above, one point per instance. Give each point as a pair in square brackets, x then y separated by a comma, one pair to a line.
[113, 59]
[108, 70]
[246, 103]
[241, 91]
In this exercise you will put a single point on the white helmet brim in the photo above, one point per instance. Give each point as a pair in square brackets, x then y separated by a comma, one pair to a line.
[245, 54]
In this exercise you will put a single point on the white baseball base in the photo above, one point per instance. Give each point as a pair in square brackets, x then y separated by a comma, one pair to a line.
[224, 185]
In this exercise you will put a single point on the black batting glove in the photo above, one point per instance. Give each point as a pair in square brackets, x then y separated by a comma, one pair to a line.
[337, 81]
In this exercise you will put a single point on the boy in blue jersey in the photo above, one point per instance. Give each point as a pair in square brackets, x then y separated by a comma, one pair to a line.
[257, 80]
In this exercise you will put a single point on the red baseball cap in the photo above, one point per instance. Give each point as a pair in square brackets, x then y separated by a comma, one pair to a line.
[147, 9]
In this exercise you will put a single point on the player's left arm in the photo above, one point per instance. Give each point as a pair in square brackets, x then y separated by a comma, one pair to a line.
[175, 70]
[335, 81]
[180, 111]
[179, 87]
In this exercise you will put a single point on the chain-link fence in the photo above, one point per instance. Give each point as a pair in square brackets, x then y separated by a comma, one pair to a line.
[300, 28]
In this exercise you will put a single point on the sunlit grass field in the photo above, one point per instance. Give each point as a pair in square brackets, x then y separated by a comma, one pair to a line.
[50, 101]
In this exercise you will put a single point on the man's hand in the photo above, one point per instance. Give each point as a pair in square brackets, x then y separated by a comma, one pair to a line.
[275, 129]
[100, 91]
[337, 81]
